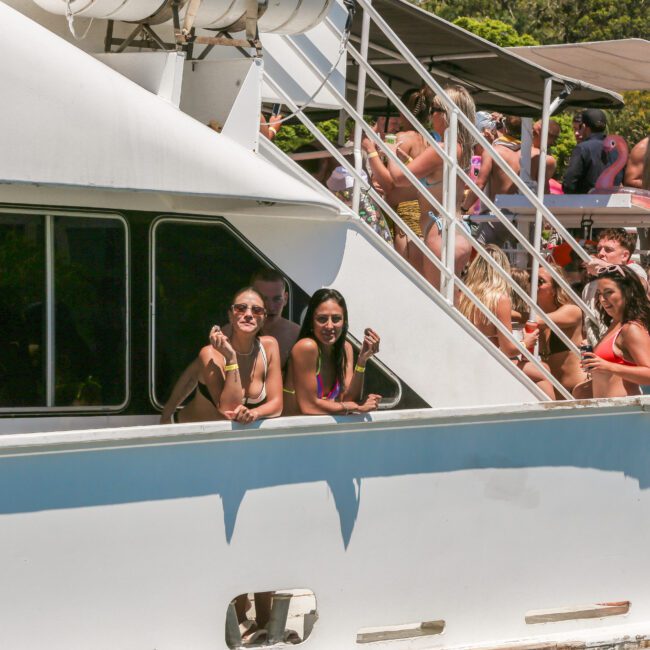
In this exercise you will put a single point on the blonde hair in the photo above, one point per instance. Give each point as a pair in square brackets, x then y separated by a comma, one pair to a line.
[486, 285]
[560, 296]
[522, 278]
[465, 103]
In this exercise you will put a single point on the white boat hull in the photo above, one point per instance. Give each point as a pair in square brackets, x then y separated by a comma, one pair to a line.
[139, 537]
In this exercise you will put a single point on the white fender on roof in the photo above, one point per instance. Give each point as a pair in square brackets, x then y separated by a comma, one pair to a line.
[69, 120]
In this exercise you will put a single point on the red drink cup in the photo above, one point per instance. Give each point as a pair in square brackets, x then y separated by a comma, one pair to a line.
[531, 326]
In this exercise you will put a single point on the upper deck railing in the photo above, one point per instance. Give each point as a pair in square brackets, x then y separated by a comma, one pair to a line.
[451, 283]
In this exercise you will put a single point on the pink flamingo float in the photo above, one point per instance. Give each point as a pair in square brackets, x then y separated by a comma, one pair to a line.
[605, 182]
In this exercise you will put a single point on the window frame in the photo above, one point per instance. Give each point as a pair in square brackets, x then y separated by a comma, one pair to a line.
[50, 302]
[186, 220]
[224, 223]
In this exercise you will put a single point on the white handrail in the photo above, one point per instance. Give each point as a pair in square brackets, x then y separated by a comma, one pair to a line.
[452, 172]
[340, 158]
[467, 123]
[470, 182]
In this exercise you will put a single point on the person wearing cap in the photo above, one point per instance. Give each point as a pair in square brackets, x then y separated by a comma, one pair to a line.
[587, 159]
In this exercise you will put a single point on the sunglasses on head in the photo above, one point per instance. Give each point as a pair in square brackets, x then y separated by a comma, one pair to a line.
[612, 268]
[240, 308]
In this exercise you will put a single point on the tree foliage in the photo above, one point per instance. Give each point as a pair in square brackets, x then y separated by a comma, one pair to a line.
[555, 21]
[495, 31]
[293, 136]
[633, 120]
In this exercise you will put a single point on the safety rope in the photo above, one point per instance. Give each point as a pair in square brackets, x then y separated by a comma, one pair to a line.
[69, 15]
[351, 7]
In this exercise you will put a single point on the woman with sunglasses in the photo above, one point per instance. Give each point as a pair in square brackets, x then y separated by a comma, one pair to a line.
[237, 378]
[429, 168]
[620, 363]
[556, 304]
[322, 378]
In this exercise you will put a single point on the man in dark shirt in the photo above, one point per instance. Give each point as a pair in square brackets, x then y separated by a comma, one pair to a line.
[588, 158]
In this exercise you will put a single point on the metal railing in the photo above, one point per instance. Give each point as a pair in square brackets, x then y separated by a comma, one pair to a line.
[446, 209]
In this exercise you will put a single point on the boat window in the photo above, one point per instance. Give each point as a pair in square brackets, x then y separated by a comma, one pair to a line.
[22, 311]
[197, 266]
[63, 311]
[90, 312]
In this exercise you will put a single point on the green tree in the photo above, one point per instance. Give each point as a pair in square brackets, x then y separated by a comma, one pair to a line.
[565, 143]
[633, 120]
[293, 136]
[495, 31]
[555, 21]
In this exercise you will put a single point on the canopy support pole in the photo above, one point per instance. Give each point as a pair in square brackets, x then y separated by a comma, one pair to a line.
[541, 181]
[361, 99]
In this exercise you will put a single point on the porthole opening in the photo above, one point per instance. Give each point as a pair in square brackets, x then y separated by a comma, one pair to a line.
[267, 618]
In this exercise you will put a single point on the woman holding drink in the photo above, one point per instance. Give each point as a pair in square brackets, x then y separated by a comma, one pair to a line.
[620, 363]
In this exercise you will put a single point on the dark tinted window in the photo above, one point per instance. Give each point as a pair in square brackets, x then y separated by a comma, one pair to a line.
[22, 311]
[63, 311]
[198, 268]
[90, 323]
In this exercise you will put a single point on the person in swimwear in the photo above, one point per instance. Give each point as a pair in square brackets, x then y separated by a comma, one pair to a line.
[429, 167]
[494, 292]
[409, 145]
[620, 363]
[554, 301]
[237, 378]
[322, 377]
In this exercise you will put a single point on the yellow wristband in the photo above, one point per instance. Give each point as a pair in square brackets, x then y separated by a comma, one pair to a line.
[273, 130]
[232, 366]
[360, 369]
[408, 160]
[373, 154]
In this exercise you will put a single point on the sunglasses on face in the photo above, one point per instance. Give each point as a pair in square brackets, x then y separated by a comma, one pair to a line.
[436, 109]
[241, 308]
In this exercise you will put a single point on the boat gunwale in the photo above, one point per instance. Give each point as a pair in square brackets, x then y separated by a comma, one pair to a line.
[310, 425]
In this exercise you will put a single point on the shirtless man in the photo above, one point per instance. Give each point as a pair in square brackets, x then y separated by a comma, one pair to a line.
[272, 287]
[637, 173]
[553, 133]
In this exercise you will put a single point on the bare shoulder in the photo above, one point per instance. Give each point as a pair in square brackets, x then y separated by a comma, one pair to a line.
[634, 330]
[270, 344]
[209, 354]
[305, 347]
[505, 302]
[574, 310]
[348, 349]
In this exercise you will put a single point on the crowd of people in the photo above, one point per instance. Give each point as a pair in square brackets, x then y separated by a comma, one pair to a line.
[261, 365]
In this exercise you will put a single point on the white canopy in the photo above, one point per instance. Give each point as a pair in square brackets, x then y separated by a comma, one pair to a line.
[69, 120]
[617, 65]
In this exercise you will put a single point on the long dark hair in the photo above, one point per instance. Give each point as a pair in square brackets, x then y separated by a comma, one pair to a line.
[637, 306]
[307, 329]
